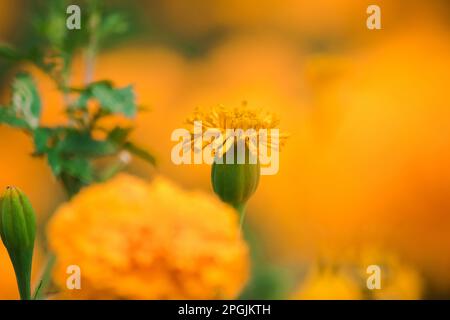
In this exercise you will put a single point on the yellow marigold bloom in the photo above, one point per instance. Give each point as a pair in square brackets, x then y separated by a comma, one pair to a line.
[226, 120]
[346, 277]
[399, 280]
[328, 284]
[138, 240]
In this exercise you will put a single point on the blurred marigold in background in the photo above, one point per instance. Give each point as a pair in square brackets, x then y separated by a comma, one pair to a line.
[367, 160]
[399, 280]
[138, 240]
[328, 284]
[303, 17]
[345, 277]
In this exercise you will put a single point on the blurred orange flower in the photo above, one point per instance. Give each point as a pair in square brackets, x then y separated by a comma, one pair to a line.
[138, 240]
[371, 158]
[344, 276]
[328, 284]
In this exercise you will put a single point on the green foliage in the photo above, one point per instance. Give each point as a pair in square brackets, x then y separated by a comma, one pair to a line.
[112, 25]
[112, 100]
[140, 152]
[73, 149]
[8, 116]
[26, 103]
[25, 108]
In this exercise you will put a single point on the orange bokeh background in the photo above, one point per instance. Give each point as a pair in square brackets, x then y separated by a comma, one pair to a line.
[368, 112]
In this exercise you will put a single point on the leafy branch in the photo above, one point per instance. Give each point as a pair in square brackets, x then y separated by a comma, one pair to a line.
[74, 149]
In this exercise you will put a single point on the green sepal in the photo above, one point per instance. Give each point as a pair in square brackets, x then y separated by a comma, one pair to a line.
[235, 183]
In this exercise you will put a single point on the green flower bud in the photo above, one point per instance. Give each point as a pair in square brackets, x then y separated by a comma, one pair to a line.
[18, 230]
[235, 183]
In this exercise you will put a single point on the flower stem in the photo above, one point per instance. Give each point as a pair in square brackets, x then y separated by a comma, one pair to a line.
[22, 269]
[91, 50]
[241, 209]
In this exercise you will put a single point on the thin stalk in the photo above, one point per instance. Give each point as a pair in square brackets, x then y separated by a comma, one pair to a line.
[241, 209]
[91, 50]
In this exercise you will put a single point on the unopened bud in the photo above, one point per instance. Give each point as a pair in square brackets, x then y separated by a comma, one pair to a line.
[233, 182]
[18, 230]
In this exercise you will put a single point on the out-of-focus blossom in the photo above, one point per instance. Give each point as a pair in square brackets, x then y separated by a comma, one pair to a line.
[325, 18]
[345, 276]
[371, 158]
[328, 284]
[398, 279]
[139, 240]
[368, 126]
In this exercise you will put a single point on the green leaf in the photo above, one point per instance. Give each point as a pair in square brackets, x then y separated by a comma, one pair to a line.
[79, 168]
[8, 117]
[140, 152]
[25, 100]
[51, 24]
[119, 135]
[82, 101]
[112, 25]
[115, 100]
[54, 161]
[41, 137]
[112, 100]
[83, 145]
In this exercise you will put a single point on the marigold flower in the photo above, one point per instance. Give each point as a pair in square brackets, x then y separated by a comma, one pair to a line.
[238, 130]
[346, 276]
[224, 119]
[138, 240]
[399, 280]
[328, 284]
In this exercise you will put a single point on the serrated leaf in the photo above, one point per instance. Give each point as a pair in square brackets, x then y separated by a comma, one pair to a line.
[25, 99]
[140, 153]
[78, 168]
[85, 94]
[115, 100]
